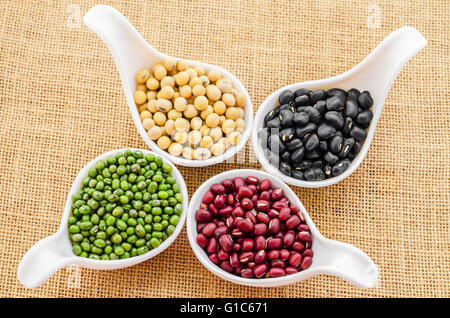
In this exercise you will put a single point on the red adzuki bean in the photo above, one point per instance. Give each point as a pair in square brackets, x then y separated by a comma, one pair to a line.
[226, 242]
[217, 188]
[306, 263]
[209, 229]
[284, 214]
[262, 205]
[225, 265]
[247, 244]
[252, 180]
[276, 272]
[245, 192]
[247, 204]
[208, 197]
[225, 211]
[265, 185]
[228, 184]
[260, 270]
[260, 256]
[238, 212]
[251, 230]
[234, 259]
[277, 194]
[223, 255]
[202, 215]
[238, 182]
[201, 240]
[260, 229]
[214, 258]
[219, 201]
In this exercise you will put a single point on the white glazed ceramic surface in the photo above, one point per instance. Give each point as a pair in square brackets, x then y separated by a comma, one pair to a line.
[330, 257]
[132, 53]
[374, 74]
[54, 252]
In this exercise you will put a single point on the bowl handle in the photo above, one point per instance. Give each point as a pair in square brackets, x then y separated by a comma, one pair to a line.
[379, 69]
[345, 261]
[124, 42]
[43, 259]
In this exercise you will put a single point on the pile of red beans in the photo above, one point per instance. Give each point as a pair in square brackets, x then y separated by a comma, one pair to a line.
[251, 230]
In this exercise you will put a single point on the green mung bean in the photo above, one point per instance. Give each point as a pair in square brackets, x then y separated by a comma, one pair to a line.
[127, 205]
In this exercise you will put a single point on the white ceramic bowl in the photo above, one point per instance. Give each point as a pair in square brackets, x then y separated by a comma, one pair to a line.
[54, 252]
[330, 257]
[132, 53]
[374, 74]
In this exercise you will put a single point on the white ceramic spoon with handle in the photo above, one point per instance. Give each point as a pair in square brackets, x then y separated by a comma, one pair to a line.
[330, 257]
[131, 54]
[374, 74]
[54, 252]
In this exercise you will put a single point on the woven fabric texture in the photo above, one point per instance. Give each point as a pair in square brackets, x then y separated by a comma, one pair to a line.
[62, 104]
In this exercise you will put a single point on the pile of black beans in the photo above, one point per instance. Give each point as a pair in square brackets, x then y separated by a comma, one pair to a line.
[314, 135]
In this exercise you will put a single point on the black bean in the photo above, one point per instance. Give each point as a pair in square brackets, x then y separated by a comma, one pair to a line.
[321, 106]
[323, 146]
[340, 167]
[314, 114]
[303, 165]
[314, 174]
[325, 131]
[300, 109]
[302, 91]
[294, 144]
[313, 154]
[263, 135]
[285, 168]
[365, 100]
[287, 134]
[337, 91]
[356, 148]
[312, 142]
[297, 174]
[285, 97]
[351, 108]
[358, 133]
[335, 144]
[331, 158]
[297, 155]
[317, 95]
[285, 156]
[300, 119]
[335, 119]
[346, 147]
[304, 132]
[335, 103]
[274, 123]
[318, 164]
[286, 117]
[353, 93]
[286, 106]
[275, 144]
[364, 117]
[313, 135]
[348, 125]
[327, 170]
[271, 115]
[301, 100]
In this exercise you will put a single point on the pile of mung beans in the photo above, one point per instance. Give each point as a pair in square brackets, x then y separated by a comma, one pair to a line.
[250, 229]
[128, 204]
[314, 135]
[187, 111]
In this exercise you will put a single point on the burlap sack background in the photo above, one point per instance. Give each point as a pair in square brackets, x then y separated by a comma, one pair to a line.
[61, 104]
